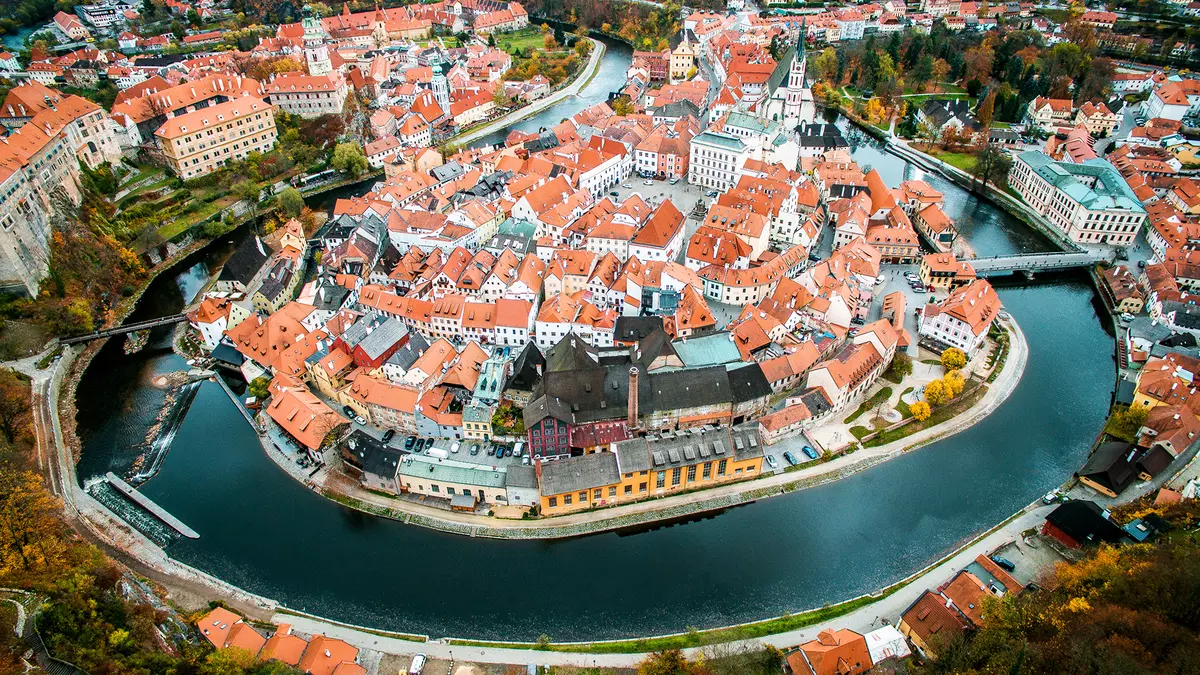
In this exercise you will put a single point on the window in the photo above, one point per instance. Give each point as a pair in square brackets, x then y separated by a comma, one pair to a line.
[582, 496]
[553, 501]
[707, 470]
[721, 467]
[661, 481]
[566, 500]
[692, 473]
[675, 474]
[434, 488]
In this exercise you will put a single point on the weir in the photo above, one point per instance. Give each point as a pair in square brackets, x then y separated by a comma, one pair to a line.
[158, 449]
[154, 509]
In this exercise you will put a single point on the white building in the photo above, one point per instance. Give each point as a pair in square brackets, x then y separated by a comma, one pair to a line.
[716, 159]
[1090, 202]
[961, 320]
[308, 95]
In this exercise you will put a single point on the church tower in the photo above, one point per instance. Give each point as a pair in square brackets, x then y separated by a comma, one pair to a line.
[441, 87]
[316, 53]
[380, 33]
[796, 84]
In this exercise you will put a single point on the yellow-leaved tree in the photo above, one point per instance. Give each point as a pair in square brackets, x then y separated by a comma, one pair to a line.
[920, 410]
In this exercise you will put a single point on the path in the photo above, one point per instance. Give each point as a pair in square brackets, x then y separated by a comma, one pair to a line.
[585, 76]
[726, 495]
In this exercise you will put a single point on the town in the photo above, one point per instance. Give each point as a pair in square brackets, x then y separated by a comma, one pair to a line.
[544, 270]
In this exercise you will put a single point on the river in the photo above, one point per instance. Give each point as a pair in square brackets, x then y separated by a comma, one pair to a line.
[263, 531]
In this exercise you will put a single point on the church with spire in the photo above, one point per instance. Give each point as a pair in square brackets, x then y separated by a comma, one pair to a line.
[789, 99]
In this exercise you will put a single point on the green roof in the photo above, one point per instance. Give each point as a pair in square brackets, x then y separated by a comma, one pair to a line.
[1095, 184]
[520, 228]
[710, 350]
[723, 140]
[451, 471]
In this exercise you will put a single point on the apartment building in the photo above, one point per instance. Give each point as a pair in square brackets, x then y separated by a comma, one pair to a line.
[1090, 202]
[201, 141]
[308, 95]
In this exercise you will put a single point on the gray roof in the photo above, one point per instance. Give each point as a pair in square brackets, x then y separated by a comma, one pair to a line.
[380, 338]
[720, 140]
[579, 473]
[521, 476]
[688, 447]
[245, 261]
[410, 352]
[277, 281]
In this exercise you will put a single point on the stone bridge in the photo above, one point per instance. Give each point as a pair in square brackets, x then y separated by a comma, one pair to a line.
[1035, 262]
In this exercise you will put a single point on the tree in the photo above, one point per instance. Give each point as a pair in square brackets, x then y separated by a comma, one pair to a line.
[928, 133]
[291, 201]
[14, 404]
[902, 365]
[936, 392]
[349, 158]
[549, 42]
[920, 411]
[245, 190]
[991, 164]
[941, 70]
[987, 108]
[30, 532]
[622, 106]
[826, 64]
[668, 662]
[953, 359]
[954, 383]
[1126, 423]
[259, 388]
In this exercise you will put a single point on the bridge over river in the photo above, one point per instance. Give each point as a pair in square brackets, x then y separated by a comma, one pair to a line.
[1029, 263]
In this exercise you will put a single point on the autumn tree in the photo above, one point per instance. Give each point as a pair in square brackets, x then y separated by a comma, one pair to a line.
[928, 133]
[954, 383]
[953, 358]
[14, 404]
[622, 106]
[31, 535]
[1125, 424]
[920, 410]
[667, 662]
[936, 392]
[986, 110]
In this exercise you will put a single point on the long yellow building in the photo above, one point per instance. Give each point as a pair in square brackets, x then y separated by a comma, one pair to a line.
[651, 466]
[202, 141]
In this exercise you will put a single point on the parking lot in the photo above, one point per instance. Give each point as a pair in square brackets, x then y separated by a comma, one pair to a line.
[894, 280]
[460, 450]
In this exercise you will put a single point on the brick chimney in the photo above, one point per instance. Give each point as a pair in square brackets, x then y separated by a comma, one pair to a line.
[633, 398]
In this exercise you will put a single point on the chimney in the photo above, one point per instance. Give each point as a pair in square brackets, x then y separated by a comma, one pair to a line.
[633, 398]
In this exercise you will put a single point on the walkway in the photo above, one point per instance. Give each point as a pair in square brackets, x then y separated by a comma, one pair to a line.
[719, 497]
[1031, 262]
[585, 76]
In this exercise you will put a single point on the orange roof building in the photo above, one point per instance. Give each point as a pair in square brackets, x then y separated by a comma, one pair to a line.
[834, 652]
[961, 320]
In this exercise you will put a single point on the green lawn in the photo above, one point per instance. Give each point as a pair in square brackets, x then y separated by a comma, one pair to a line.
[961, 160]
[940, 414]
[523, 39]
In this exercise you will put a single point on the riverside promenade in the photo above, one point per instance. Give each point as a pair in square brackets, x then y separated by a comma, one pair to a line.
[677, 505]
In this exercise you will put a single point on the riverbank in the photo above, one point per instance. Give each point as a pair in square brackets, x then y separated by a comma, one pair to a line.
[582, 80]
[680, 506]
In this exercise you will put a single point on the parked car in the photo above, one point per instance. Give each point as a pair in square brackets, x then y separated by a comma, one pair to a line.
[673, 181]
[1126, 317]
[1050, 497]
[417, 665]
[613, 194]
[711, 193]
[387, 435]
[790, 458]
[809, 452]
[361, 420]
[1004, 562]
[409, 442]
[627, 185]
[474, 449]
[771, 461]
[647, 182]
[349, 411]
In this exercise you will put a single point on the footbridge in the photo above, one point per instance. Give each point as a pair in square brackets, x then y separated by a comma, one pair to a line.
[1035, 262]
[127, 328]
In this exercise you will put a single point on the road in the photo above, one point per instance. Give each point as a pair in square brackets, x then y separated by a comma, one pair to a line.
[573, 89]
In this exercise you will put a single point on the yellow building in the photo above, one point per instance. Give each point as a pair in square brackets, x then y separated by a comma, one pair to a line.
[944, 272]
[204, 140]
[477, 422]
[652, 466]
[683, 59]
